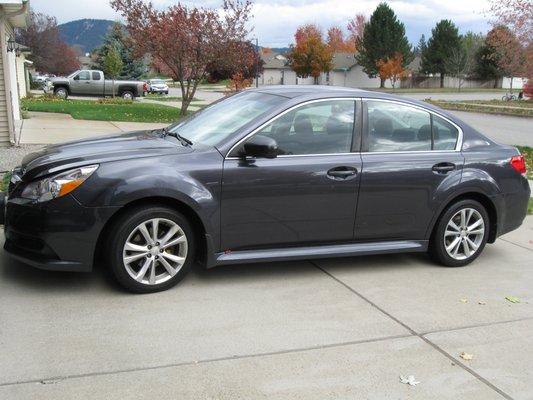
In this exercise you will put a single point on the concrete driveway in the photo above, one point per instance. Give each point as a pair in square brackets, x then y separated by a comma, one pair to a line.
[345, 328]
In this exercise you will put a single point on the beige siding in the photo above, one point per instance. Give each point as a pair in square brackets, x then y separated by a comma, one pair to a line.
[4, 125]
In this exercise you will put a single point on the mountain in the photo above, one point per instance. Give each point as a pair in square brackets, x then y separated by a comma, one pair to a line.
[88, 34]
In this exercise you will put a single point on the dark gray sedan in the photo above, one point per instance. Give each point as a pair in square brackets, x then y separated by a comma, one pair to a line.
[279, 173]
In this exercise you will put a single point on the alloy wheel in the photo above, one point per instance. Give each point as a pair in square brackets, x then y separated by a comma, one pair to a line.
[155, 251]
[464, 234]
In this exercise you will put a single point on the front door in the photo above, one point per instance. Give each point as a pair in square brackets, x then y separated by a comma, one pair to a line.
[409, 155]
[306, 195]
[81, 83]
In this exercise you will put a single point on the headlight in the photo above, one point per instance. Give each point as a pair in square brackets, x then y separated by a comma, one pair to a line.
[57, 185]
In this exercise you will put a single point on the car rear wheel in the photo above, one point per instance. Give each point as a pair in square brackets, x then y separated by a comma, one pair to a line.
[61, 92]
[151, 249]
[461, 234]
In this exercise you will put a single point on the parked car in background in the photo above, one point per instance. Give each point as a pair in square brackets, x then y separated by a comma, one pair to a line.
[93, 83]
[157, 86]
[270, 174]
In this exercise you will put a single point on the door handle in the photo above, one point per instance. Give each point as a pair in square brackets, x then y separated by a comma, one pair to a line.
[342, 172]
[443, 168]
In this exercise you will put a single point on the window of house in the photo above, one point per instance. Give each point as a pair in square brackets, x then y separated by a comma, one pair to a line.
[396, 127]
[323, 127]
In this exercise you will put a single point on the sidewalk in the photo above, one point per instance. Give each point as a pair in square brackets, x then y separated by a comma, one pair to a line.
[46, 128]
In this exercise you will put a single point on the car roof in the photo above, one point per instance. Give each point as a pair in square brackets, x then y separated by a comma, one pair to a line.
[312, 92]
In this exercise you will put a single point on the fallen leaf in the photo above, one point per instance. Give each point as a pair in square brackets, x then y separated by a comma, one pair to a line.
[463, 300]
[466, 356]
[481, 302]
[410, 380]
[512, 299]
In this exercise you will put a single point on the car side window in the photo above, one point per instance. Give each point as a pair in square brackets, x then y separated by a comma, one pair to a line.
[445, 135]
[395, 127]
[84, 76]
[323, 127]
[95, 76]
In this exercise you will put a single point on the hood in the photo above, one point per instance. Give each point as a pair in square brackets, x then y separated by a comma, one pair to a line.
[101, 149]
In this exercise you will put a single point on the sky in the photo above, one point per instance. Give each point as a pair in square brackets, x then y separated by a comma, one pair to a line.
[275, 21]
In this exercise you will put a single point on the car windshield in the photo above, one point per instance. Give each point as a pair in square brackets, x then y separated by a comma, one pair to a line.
[73, 74]
[219, 121]
[157, 81]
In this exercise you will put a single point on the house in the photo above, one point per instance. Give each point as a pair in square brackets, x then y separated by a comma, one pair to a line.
[13, 14]
[345, 72]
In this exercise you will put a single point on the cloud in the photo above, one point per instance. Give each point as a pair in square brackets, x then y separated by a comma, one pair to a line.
[275, 21]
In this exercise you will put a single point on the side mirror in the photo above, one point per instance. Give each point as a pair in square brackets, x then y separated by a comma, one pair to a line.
[77, 78]
[261, 147]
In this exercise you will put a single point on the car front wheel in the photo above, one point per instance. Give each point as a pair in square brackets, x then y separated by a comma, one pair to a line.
[461, 234]
[151, 249]
[62, 93]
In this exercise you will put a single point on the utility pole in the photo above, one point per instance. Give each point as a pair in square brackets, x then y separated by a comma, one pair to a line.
[257, 63]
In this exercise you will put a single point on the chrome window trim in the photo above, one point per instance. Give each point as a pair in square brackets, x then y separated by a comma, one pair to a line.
[460, 134]
[282, 114]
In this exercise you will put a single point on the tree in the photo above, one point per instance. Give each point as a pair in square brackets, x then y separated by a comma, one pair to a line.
[508, 53]
[517, 16]
[356, 27]
[250, 63]
[462, 61]
[486, 66]
[118, 39]
[310, 56]
[443, 43]
[337, 43]
[421, 46]
[383, 37]
[49, 53]
[184, 40]
[392, 69]
[113, 65]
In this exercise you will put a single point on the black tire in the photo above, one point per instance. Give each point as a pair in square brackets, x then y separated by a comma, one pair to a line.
[61, 92]
[437, 249]
[127, 95]
[121, 230]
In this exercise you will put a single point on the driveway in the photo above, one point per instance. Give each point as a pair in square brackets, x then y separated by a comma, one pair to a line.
[345, 328]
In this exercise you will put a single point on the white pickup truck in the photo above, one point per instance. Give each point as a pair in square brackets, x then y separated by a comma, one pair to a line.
[88, 82]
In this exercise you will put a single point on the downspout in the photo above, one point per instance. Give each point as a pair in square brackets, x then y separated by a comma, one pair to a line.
[7, 78]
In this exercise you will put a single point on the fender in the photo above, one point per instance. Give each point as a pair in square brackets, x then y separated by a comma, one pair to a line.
[472, 181]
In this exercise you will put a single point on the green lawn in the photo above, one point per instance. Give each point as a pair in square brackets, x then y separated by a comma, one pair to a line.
[4, 183]
[521, 109]
[104, 110]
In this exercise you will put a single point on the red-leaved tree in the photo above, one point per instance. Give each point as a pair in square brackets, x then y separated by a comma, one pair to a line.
[337, 43]
[310, 56]
[356, 27]
[49, 53]
[183, 41]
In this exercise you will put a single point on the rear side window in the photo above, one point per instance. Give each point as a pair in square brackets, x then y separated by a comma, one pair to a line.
[96, 76]
[396, 127]
[444, 134]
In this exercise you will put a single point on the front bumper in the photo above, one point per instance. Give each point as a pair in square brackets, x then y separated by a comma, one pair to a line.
[59, 235]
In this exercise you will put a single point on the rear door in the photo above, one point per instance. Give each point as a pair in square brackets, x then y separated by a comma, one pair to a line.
[97, 83]
[409, 154]
[307, 194]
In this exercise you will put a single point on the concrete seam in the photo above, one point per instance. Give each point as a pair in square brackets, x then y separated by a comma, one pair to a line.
[413, 332]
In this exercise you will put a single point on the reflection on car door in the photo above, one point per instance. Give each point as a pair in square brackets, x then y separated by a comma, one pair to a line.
[408, 153]
[308, 194]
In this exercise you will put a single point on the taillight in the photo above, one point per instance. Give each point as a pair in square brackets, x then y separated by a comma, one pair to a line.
[519, 164]
[145, 87]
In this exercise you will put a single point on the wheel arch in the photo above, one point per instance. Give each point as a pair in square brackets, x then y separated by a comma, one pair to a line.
[197, 224]
[126, 88]
[481, 198]
[62, 86]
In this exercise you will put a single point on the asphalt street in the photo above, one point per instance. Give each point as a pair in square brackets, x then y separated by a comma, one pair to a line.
[334, 328]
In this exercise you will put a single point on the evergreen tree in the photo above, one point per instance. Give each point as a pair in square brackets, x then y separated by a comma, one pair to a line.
[421, 46]
[383, 38]
[443, 44]
[486, 64]
[118, 39]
